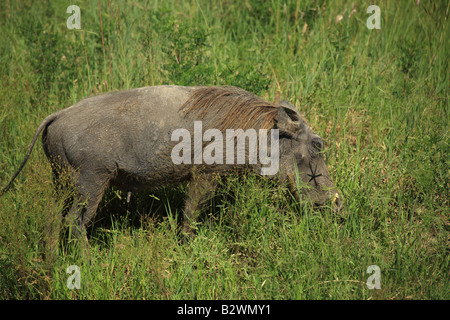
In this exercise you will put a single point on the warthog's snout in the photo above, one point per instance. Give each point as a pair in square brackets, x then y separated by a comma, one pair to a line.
[333, 201]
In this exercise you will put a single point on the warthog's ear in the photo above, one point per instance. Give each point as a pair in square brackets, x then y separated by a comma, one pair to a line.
[289, 119]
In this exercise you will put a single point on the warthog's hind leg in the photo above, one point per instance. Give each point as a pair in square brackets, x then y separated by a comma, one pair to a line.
[90, 192]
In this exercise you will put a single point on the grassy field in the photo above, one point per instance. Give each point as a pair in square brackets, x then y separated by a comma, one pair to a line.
[378, 97]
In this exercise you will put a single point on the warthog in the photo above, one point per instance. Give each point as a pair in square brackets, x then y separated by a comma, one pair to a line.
[124, 139]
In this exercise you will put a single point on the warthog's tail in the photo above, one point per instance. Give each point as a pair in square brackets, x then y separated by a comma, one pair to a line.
[41, 127]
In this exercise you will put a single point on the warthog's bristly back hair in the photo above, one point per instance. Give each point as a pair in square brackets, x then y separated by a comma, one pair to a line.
[232, 107]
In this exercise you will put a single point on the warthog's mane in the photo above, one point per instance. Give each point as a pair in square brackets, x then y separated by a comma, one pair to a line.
[227, 107]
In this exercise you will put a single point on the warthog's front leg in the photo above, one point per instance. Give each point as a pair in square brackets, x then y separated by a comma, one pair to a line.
[201, 189]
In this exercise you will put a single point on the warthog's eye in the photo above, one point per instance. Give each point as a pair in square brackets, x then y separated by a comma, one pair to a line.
[317, 144]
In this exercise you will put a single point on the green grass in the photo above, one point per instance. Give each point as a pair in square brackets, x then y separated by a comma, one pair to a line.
[379, 98]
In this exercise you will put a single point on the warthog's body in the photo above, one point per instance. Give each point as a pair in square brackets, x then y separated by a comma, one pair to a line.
[124, 139]
[120, 138]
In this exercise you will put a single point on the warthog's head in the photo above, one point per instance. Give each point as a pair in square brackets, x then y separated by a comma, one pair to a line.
[301, 155]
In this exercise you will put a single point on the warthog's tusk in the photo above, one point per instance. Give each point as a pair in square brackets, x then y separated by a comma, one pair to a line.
[336, 198]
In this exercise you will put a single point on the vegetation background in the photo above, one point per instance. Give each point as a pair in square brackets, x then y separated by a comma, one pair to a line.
[379, 98]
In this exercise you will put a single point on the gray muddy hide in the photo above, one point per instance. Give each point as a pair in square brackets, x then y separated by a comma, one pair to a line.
[124, 139]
